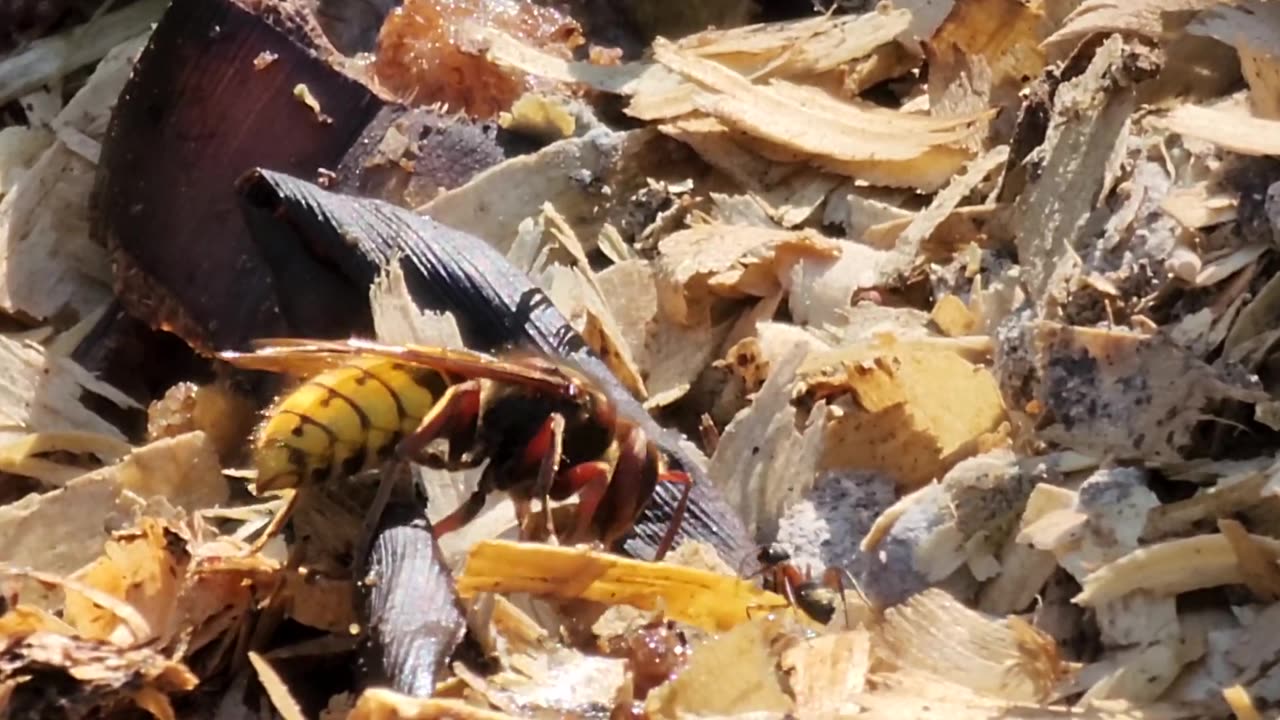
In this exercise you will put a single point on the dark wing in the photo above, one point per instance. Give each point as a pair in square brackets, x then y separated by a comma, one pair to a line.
[307, 357]
[290, 356]
[544, 377]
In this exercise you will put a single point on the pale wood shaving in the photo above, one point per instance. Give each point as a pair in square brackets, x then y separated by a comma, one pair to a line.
[1169, 568]
[1229, 126]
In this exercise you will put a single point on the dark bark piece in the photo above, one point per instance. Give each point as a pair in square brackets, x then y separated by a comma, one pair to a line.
[409, 604]
[195, 115]
[141, 362]
[495, 305]
[406, 156]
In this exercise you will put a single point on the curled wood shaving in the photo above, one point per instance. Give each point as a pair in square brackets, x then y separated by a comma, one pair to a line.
[1229, 126]
[934, 635]
[1170, 568]
[1140, 17]
[281, 699]
[728, 261]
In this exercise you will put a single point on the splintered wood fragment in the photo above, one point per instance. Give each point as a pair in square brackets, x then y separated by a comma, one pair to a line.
[1222, 501]
[1025, 567]
[1200, 205]
[765, 460]
[49, 264]
[707, 261]
[809, 46]
[1257, 563]
[731, 675]
[1253, 28]
[1237, 698]
[1230, 126]
[1089, 115]
[708, 600]
[1170, 568]
[1124, 393]
[384, 704]
[810, 121]
[281, 698]
[953, 317]
[1137, 17]
[828, 672]
[43, 393]
[914, 411]
[906, 253]
[980, 56]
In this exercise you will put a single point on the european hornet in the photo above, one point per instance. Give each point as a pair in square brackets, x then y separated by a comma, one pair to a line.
[815, 598]
[545, 430]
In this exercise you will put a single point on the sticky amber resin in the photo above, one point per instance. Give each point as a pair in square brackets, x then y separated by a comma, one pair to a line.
[423, 60]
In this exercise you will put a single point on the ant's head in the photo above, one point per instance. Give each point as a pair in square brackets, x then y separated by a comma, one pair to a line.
[773, 554]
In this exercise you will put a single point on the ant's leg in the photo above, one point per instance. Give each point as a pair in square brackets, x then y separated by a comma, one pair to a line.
[834, 578]
[453, 417]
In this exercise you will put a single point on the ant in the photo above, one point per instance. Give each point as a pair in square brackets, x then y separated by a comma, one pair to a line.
[816, 598]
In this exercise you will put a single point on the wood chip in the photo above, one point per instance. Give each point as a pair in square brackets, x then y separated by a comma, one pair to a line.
[904, 418]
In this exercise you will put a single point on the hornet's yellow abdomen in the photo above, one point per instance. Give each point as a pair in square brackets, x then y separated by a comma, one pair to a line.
[342, 421]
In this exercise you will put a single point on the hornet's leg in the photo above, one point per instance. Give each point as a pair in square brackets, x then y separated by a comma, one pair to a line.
[677, 517]
[544, 452]
[453, 417]
[589, 480]
[388, 474]
[277, 522]
[467, 511]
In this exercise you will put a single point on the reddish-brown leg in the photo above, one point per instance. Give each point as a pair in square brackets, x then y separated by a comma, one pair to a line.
[453, 417]
[544, 451]
[467, 511]
[677, 517]
[589, 480]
